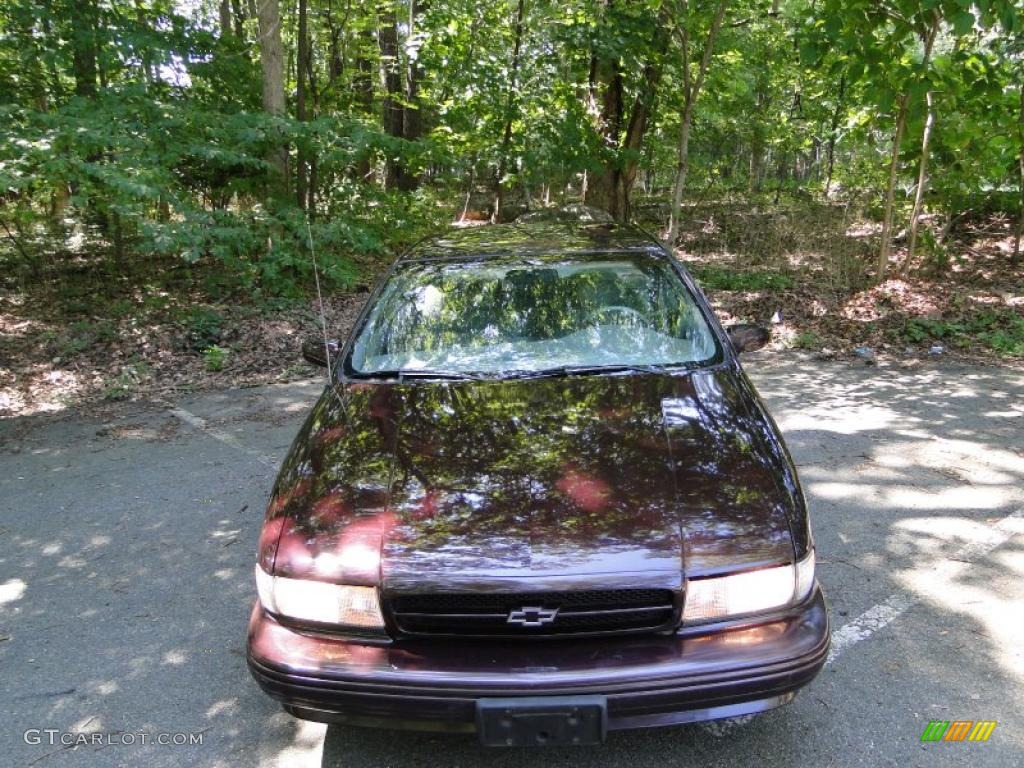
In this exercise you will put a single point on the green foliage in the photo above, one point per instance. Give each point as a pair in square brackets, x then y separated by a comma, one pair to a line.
[919, 329]
[998, 330]
[160, 149]
[937, 256]
[126, 381]
[80, 336]
[716, 278]
[808, 340]
[203, 327]
[214, 358]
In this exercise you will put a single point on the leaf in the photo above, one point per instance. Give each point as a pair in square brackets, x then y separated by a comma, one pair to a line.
[963, 22]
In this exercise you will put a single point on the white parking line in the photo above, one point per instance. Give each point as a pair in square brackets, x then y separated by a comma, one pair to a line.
[869, 622]
[200, 423]
[878, 616]
[887, 611]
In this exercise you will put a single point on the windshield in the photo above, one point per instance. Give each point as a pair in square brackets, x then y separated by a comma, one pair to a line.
[504, 317]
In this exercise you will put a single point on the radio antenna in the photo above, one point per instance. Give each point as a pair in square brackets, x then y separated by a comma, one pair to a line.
[320, 299]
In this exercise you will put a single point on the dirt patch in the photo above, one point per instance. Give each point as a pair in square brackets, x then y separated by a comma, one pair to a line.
[167, 430]
[807, 273]
[50, 363]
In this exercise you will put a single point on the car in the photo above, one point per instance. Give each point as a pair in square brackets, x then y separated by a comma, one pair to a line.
[538, 500]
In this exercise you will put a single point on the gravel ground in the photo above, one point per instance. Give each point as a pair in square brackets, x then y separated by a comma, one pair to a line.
[127, 541]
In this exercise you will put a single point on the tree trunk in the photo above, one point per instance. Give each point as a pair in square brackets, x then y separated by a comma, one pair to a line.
[83, 41]
[59, 202]
[610, 188]
[312, 111]
[301, 67]
[691, 95]
[922, 180]
[311, 190]
[363, 84]
[391, 82]
[885, 248]
[832, 135]
[890, 189]
[225, 18]
[1015, 258]
[272, 63]
[757, 143]
[681, 172]
[636, 128]
[412, 115]
[400, 83]
[510, 107]
[239, 18]
[604, 189]
[335, 58]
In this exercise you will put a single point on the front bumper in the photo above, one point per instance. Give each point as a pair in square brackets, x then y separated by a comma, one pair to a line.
[648, 680]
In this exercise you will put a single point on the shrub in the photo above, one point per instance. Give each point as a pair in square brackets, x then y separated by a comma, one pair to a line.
[1000, 330]
[214, 358]
[724, 279]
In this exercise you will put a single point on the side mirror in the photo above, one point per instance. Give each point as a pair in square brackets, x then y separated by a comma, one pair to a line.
[747, 337]
[313, 350]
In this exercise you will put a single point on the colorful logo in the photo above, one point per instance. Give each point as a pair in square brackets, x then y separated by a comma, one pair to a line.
[958, 730]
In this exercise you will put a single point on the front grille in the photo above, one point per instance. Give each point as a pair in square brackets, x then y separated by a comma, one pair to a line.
[534, 614]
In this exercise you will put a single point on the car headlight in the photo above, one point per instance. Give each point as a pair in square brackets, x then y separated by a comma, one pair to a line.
[751, 592]
[338, 605]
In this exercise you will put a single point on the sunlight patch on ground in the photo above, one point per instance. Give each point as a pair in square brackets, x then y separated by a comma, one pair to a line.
[48, 391]
[175, 657]
[962, 461]
[12, 590]
[964, 475]
[952, 498]
[989, 590]
[840, 417]
[224, 705]
[306, 748]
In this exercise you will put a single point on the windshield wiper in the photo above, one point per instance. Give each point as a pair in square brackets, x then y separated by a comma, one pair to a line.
[418, 373]
[523, 373]
[576, 370]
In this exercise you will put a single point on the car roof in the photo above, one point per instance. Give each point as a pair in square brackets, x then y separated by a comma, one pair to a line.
[533, 238]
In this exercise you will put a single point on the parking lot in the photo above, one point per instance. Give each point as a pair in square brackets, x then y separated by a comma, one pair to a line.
[127, 543]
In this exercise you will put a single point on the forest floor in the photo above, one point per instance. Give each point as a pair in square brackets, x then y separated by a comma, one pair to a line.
[87, 333]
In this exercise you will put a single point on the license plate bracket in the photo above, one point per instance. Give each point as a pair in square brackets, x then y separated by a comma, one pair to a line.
[542, 721]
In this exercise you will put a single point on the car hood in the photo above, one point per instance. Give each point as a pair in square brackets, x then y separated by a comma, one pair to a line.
[540, 481]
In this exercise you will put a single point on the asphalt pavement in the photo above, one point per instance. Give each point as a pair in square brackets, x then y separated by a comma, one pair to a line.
[127, 542]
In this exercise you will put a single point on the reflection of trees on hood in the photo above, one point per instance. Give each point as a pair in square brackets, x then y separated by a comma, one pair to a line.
[496, 465]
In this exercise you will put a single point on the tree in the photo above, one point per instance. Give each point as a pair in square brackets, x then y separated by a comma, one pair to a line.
[922, 178]
[272, 63]
[163, 126]
[885, 248]
[622, 130]
[692, 84]
[84, 38]
[400, 76]
[510, 109]
[225, 18]
[1013, 59]
[302, 71]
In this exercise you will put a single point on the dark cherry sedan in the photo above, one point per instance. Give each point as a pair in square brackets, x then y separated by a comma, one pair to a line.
[538, 500]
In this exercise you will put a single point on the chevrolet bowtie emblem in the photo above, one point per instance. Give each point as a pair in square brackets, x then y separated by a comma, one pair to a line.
[532, 617]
